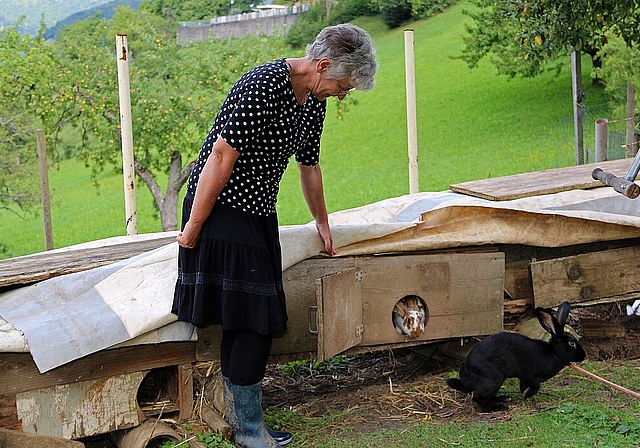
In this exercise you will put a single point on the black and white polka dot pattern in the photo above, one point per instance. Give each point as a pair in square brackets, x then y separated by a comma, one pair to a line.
[262, 120]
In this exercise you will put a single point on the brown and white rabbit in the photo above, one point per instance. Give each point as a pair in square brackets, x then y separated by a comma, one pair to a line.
[409, 316]
[512, 355]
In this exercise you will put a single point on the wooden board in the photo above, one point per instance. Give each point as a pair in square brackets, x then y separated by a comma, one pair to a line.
[44, 265]
[586, 277]
[91, 384]
[19, 439]
[540, 182]
[464, 294]
[300, 289]
[18, 372]
[339, 298]
[82, 409]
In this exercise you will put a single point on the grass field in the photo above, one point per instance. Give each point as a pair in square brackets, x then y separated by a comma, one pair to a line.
[569, 411]
[472, 124]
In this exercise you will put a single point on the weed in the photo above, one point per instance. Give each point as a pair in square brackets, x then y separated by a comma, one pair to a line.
[601, 422]
[208, 439]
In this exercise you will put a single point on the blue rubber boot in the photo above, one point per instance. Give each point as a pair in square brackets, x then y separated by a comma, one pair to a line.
[243, 411]
[282, 437]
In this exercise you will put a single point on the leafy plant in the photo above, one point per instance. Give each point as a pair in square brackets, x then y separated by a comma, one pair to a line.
[208, 439]
[600, 421]
[313, 366]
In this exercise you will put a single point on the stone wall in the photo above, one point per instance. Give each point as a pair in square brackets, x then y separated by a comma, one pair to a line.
[239, 25]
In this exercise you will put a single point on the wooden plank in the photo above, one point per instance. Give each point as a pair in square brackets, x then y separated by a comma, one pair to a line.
[517, 280]
[20, 374]
[586, 277]
[82, 409]
[18, 439]
[185, 391]
[44, 265]
[463, 294]
[339, 298]
[300, 289]
[8, 414]
[216, 422]
[466, 290]
[601, 329]
[540, 182]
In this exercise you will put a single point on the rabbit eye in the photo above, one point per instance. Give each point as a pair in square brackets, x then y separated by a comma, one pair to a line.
[572, 344]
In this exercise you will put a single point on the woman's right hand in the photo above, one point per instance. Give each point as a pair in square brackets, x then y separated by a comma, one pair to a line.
[188, 238]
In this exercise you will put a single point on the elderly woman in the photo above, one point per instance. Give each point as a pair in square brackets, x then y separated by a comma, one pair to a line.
[229, 264]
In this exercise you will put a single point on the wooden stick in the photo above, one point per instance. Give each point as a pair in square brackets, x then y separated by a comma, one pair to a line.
[44, 189]
[412, 126]
[607, 382]
[126, 132]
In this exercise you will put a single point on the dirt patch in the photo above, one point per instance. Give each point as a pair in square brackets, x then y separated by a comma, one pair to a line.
[392, 388]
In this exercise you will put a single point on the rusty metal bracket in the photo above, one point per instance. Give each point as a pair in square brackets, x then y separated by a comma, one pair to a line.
[311, 321]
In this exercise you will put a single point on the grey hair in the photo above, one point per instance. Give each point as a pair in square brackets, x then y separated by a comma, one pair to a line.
[351, 51]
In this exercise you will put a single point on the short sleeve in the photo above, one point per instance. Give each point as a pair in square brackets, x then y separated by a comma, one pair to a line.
[247, 119]
[309, 154]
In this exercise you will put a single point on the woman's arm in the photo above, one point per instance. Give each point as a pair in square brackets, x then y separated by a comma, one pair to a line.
[313, 191]
[214, 176]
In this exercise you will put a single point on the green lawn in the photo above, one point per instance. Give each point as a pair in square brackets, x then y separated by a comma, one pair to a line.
[472, 124]
[570, 411]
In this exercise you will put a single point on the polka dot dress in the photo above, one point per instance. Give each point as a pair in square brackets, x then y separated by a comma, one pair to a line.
[262, 120]
[233, 277]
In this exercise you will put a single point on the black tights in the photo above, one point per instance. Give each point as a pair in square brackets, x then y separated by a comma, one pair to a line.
[244, 355]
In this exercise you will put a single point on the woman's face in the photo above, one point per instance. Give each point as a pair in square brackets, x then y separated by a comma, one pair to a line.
[325, 87]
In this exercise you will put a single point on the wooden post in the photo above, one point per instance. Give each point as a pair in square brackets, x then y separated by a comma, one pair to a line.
[44, 189]
[126, 135]
[602, 135]
[412, 128]
[578, 108]
[631, 138]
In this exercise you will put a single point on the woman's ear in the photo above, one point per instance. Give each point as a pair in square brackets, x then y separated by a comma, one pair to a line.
[323, 65]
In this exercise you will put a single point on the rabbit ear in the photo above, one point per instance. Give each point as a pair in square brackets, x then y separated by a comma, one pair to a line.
[547, 320]
[402, 308]
[562, 313]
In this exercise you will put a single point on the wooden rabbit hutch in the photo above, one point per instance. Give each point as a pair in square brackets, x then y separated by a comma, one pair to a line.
[349, 304]
[469, 287]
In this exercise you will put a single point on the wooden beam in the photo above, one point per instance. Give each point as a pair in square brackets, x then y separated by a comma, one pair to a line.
[20, 374]
[18, 439]
[586, 277]
[540, 182]
[41, 266]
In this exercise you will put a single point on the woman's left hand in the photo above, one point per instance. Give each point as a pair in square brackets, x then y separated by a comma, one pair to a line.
[325, 234]
[188, 238]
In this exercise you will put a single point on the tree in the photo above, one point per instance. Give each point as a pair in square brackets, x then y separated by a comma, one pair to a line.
[523, 37]
[396, 12]
[25, 63]
[621, 65]
[186, 10]
[175, 93]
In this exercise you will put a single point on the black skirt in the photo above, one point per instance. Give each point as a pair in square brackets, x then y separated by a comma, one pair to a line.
[233, 277]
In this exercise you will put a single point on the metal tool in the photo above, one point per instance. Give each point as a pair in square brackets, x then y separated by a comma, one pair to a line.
[623, 185]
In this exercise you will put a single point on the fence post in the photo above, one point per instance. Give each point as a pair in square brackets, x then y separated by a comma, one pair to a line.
[44, 189]
[602, 135]
[578, 107]
[412, 127]
[631, 139]
[126, 133]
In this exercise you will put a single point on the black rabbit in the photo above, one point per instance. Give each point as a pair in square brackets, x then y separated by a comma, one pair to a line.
[512, 355]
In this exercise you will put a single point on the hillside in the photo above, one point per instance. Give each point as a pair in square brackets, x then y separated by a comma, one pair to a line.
[472, 125]
[52, 11]
[106, 11]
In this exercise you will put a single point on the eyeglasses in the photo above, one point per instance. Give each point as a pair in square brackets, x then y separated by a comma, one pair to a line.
[344, 90]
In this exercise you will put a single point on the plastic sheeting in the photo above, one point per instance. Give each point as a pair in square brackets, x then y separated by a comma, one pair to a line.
[130, 301]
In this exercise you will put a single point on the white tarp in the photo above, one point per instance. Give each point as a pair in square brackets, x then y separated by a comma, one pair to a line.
[67, 317]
